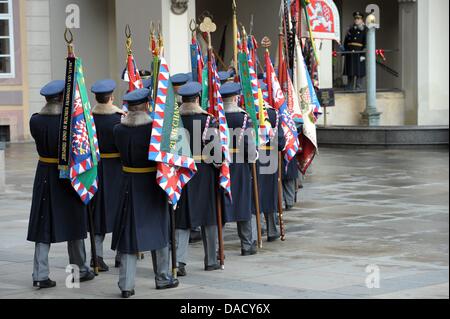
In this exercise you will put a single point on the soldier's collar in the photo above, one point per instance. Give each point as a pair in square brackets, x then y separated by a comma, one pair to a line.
[106, 109]
[231, 107]
[191, 109]
[51, 108]
[137, 118]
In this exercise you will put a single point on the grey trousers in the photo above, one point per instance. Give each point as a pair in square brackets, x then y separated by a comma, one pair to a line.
[77, 256]
[289, 192]
[245, 232]
[209, 237]
[128, 263]
[271, 225]
[271, 222]
[99, 239]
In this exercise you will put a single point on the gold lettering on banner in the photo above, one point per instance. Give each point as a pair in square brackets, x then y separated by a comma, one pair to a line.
[66, 115]
[175, 125]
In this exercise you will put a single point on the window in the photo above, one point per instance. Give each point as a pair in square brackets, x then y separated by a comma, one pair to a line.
[6, 40]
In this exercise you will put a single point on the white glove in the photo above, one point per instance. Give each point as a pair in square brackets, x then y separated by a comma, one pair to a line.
[363, 58]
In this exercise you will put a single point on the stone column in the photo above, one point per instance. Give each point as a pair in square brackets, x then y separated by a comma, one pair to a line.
[371, 116]
[177, 37]
[408, 57]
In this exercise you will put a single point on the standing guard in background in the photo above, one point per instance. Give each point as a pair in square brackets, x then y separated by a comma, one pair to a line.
[243, 152]
[57, 212]
[192, 212]
[106, 200]
[268, 183]
[142, 223]
[355, 40]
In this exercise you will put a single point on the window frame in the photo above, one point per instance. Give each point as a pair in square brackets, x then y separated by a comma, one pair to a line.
[10, 18]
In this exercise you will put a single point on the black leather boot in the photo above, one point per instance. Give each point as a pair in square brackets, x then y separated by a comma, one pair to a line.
[43, 284]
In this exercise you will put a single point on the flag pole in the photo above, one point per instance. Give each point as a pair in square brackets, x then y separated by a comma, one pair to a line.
[173, 241]
[258, 211]
[68, 36]
[255, 178]
[208, 27]
[266, 43]
[235, 32]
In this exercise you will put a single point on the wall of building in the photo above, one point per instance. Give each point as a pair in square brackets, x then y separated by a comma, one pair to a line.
[433, 62]
[14, 91]
[138, 14]
[91, 40]
[39, 51]
[176, 34]
[266, 21]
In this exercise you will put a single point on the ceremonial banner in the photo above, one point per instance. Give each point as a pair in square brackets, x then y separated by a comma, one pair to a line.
[247, 91]
[196, 61]
[84, 152]
[293, 102]
[324, 20]
[169, 145]
[205, 88]
[131, 75]
[263, 126]
[309, 103]
[219, 113]
[66, 118]
[280, 103]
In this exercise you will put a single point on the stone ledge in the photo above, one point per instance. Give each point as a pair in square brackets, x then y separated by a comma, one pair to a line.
[384, 136]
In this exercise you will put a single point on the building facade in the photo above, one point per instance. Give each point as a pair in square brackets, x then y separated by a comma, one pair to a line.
[32, 51]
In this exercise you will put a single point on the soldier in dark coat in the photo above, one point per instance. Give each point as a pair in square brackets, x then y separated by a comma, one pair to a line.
[142, 223]
[57, 212]
[105, 203]
[243, 152]
[178, 80]
[355, 40]
[192, 212]
[267, 177]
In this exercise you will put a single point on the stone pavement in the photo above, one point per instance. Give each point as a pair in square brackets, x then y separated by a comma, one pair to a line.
[386, 209]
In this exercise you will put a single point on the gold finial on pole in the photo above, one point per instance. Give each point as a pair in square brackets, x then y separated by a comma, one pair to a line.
[160, 39]
[208, 27]
[68, 36]
[235, 34]
[244, 32]
[129, 39]
[193, 27]
[251, 24]
[266, 43]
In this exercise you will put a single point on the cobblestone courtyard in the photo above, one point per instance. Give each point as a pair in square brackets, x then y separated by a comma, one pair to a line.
[385, 208]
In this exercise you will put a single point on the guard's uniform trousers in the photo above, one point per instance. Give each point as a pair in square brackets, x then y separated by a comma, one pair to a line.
[243, 153]
[289, 179]
[106, 201]
[142, 222]
[57, 212]
[268, 174]
[192, 211]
